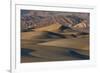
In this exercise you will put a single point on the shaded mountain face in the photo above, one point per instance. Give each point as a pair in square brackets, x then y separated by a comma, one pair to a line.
[31, 19]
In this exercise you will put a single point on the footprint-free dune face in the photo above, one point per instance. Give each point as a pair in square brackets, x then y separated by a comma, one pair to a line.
[54, 36]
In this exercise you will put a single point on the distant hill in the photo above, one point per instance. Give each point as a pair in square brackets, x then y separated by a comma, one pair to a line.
[48, 21]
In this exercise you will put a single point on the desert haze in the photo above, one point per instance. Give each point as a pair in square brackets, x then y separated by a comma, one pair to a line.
[54, 36]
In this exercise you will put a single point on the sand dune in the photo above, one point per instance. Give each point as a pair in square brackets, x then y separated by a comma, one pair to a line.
[42, 53]
[52, 27]
[41, 46]
[82, 43]
[42, 35]
[55, 42]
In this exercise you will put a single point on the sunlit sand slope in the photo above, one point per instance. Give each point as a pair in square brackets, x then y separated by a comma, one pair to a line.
[80, 43]
[52, 27]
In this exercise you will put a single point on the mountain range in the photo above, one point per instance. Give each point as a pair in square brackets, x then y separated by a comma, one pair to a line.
[37, 19]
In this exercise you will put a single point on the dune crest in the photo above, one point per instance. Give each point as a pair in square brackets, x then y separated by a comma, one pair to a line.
[52, 27]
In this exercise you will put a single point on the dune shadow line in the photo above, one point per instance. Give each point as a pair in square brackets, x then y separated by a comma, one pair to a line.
[74, 53]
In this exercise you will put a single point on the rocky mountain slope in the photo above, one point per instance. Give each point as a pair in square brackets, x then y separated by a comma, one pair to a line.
[37, 19]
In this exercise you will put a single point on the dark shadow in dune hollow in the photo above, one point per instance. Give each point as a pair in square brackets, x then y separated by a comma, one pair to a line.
[64, 27]
[54, 35]
[76, 54]
[26, 52]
